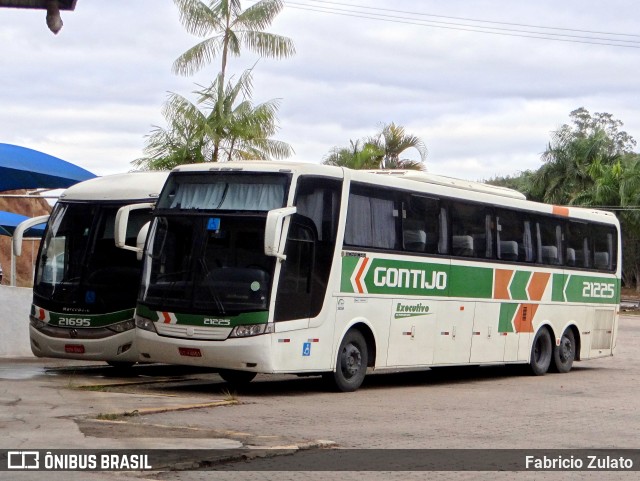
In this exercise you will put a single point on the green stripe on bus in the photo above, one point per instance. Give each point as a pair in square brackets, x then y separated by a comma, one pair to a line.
[94, 320]
[557, 288]
[466, 281]
[213, 320]
[518, 287]
[507, 311]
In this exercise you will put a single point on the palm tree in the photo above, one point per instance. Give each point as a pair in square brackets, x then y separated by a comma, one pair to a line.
[232, 28]
[229, 128]
[381, 151]
[393, 141]
[360, 156]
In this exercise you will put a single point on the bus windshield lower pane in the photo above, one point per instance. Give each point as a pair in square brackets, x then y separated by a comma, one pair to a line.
[207, 264]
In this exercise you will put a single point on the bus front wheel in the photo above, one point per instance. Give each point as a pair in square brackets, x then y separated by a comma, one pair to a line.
[565, 353]
[541, 352]
[237, 378]
[351, 365]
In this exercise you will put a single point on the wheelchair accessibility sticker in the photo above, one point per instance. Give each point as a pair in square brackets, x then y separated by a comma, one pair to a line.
[306, 349]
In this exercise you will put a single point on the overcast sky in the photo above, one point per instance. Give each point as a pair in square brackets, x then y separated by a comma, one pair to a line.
[484, 104]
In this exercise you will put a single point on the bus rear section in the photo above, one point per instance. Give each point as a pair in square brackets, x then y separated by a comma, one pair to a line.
[85, 287]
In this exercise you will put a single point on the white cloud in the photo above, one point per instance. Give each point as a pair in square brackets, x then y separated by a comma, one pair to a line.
[484, 104]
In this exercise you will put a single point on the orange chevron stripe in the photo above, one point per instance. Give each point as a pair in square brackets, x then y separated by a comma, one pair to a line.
[501, 285]
[537, 285]
[359, 275]
[523, 320]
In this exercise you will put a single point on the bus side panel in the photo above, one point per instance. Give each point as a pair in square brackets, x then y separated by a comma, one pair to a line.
[488, 344]
[371, 311]
[453, 332]
[297, 348]
[412, 332]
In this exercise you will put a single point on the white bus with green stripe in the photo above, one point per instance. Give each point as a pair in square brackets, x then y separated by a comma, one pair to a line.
[265, 267]
[85, 288]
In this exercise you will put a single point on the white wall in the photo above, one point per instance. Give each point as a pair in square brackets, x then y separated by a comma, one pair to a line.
[15, 304]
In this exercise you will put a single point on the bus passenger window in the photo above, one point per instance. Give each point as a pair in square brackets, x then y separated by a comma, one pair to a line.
[549, 237]
[472, 231]
[420, 224]
[577, 241]
[372, 218]
[604, 247]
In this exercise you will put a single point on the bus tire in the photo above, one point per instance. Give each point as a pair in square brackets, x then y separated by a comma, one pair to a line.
[351, 364]
[237, 378]
[541, 352]
[565, 353]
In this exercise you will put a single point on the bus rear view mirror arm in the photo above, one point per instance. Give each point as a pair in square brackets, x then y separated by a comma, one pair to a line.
[122, 222]
[18, 234]
[273, 242]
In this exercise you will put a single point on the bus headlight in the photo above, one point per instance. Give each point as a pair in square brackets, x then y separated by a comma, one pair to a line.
[145, 324]
[251, 330]
[122, 326]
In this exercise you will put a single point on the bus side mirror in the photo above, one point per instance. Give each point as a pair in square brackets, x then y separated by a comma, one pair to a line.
[122, 222]
[273, 245]
[141, 239]
[18, 234]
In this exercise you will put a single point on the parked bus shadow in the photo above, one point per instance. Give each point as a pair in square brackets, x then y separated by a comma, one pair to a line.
[196, 381]
[291, 385]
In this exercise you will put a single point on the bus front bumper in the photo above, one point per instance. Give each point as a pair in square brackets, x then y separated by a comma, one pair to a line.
[246, 354]
[119, 347]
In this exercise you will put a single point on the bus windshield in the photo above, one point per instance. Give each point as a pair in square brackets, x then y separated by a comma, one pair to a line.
[207, 264]
[205, 252]
[79, 266]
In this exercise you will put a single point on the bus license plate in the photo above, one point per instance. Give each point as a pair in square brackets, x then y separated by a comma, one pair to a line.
[189, 352]
[74, 348]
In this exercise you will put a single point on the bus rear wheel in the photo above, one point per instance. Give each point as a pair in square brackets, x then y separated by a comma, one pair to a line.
[351, 365]
[565, 353]
[541, 352]
[237, 378]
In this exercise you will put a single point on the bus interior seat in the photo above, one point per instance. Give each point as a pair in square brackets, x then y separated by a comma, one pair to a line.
[601, 260]
[571, 256]
[462, 245]
[415, 240]
[549, 254]
[509, 250]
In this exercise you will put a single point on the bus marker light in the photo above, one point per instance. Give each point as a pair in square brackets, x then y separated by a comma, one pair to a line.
[313, 340]
[189, 352]
[74, 348]
[284, 340]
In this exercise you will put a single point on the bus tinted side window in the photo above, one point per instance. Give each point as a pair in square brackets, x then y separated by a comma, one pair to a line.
[578, 250]
[549, 241]
[471, 230]
[605, 254]
[514, 237]
[421, 225]
[372, 219]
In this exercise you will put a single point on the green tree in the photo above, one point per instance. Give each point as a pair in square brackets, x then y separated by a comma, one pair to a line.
[226, 28]
[228, 128]
[578, 154]
[381, 151]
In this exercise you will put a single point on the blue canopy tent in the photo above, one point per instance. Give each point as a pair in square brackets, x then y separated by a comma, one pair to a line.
[9, 221]
[8, 224]
[22, 168]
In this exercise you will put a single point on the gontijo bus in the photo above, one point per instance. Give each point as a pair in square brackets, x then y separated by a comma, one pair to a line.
[300, 268]
[85, 288]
